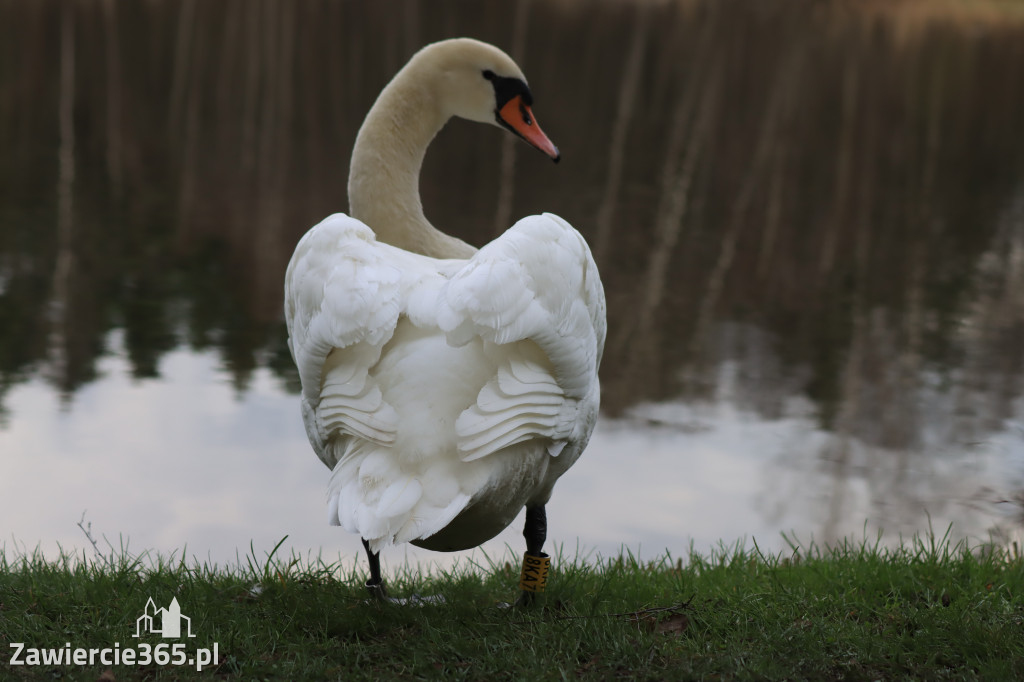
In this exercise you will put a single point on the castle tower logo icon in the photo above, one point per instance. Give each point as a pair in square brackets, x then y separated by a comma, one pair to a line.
[161, 621]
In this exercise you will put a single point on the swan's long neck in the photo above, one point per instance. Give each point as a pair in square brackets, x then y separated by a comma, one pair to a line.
[383, 185]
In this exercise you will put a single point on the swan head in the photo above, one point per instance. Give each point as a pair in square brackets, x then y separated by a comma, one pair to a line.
[479, 82]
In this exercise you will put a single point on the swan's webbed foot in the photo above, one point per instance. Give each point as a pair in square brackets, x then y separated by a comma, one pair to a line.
[526, 599]
[378, 591]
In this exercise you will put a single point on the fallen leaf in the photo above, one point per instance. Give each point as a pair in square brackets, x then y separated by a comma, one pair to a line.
[675, 624]
[107, 676]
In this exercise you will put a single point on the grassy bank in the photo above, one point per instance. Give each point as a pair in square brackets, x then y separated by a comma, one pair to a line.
[930, 610]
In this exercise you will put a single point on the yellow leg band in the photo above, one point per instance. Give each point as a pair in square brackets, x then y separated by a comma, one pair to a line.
[534, 577]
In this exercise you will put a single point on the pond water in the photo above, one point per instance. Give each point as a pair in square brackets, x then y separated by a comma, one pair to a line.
[809, 222]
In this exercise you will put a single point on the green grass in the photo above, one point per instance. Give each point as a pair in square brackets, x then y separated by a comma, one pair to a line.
[928, 610]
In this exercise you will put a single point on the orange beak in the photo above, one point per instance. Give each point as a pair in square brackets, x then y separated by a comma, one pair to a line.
[518, 117]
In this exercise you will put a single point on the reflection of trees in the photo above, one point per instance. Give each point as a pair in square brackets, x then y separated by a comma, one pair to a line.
[875, 193]
[828, 178]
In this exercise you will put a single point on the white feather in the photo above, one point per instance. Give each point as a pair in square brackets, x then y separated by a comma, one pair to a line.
[395, 399]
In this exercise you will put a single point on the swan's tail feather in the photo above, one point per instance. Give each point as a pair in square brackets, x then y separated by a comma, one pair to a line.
[369, 494]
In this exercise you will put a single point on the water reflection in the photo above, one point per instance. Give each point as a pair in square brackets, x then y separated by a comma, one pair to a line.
[185, 460]
[791, 206]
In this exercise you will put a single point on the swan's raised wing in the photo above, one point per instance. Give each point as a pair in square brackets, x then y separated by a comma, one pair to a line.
[343, 297]
[534, 296]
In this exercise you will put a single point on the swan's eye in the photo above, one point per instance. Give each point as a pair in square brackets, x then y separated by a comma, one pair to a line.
[488, 74]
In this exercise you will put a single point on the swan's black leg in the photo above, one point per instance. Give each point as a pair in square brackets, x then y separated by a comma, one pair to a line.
[535, 563]
[536, 529]
[376, 583]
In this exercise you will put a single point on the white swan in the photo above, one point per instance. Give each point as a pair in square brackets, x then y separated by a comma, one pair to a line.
[446, 388]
